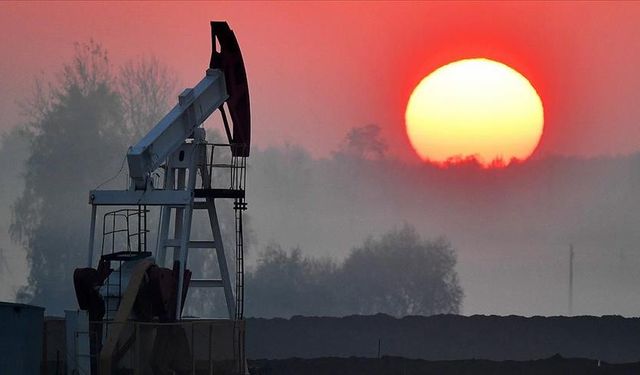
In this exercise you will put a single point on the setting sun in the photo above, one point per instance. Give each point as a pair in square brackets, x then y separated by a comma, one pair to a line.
[475, 108]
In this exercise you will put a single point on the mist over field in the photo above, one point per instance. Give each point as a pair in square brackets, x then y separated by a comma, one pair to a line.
[511, 228]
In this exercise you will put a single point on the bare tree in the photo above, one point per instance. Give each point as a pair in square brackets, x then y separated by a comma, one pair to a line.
[364, 142]
[89, 70]
[145, 87]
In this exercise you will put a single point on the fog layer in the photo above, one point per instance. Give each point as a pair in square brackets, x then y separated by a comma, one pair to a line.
[511, 227]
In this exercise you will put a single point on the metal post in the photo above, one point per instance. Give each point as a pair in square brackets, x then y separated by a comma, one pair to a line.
[222, 260]
[165, 213]
[193, 351]
[182, 259]
[571, 254]
[138, 367]
[210, 351]
[179, 220]
[92, 235]
[186, 229]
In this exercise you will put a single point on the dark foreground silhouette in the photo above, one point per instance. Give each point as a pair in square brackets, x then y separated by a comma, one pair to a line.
[442, 344]
[612, 339]
[403, 366]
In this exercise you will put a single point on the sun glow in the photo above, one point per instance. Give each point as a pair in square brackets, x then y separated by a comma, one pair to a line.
[475, 108]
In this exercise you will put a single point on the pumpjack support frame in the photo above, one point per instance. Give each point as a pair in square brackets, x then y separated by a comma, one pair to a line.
[177, 148]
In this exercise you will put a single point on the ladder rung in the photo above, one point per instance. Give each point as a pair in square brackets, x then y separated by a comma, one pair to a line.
[172, 243]
[202, 245]
[218, 193]
[191, 244]
[205, 283]
[200, 205]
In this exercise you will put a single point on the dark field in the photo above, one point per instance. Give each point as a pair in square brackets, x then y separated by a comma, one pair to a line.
[611, 339]
[402, 366]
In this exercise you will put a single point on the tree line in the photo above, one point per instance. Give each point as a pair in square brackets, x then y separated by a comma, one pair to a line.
[398, 273]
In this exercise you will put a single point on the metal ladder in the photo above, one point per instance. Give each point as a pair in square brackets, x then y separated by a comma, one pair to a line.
[181, 173]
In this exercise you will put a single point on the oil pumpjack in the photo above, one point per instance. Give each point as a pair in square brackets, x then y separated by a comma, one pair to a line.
[132, 299]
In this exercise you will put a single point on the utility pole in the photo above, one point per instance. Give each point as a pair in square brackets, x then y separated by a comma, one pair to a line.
[571, 280]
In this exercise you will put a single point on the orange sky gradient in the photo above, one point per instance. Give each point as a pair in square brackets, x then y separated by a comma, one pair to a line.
[317, 69]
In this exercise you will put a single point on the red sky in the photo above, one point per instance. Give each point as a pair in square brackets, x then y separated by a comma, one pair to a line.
[318, 69]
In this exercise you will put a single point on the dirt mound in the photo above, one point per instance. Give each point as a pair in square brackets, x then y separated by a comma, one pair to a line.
[447, 337]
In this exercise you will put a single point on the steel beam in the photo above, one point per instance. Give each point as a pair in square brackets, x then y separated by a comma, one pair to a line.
[174, 198]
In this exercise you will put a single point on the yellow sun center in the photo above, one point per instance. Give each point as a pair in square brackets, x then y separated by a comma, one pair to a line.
[475, 108]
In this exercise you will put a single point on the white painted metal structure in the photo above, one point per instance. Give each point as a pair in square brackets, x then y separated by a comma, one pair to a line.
[194, 106]
[174, 169]
[177, 146]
